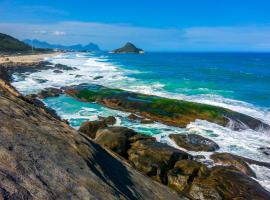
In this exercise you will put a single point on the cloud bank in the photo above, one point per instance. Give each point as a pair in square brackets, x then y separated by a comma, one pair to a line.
[110, 36]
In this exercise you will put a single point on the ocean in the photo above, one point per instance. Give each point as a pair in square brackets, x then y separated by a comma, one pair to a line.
[238, 81]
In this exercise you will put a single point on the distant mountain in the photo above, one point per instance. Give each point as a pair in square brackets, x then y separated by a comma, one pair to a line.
[128, 48]
[10, 44]
[77, 47]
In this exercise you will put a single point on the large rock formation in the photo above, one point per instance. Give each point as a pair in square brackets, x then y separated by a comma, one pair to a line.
[43, 158]
[169, 111]
[228, 159]
[194, 142]
[128, 48]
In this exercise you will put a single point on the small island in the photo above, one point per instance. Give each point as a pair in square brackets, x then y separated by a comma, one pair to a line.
[128, 48]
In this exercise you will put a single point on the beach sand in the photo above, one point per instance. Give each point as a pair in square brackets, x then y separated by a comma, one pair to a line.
[25, 59]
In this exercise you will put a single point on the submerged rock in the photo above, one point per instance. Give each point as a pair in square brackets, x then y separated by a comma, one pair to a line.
[194, 142]
[97, 77]
[265, 150]
[63, 67]
[49, 92]
[228, 159]
[41, 80]
[155, 159]
[57, 71]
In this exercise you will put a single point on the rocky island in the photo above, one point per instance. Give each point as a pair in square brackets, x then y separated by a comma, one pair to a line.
[128, 48]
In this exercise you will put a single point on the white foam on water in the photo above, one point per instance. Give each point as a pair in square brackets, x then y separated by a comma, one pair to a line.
[244, 143]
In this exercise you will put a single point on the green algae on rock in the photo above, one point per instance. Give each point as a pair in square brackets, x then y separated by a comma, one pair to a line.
[169, 111]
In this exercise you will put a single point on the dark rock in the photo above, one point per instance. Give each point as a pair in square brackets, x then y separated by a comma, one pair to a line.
[115, 138]
[183, 173]
[138, 137]
[49, 92]
[41, 80]
[155, 159]
[78, 76]
[134, 117]
[57, 71]
[142, 120]
[128, 48]
[199, 157]
[226, 183]
[228, 159]
[97, 77]
[111, 120]
[194, 142]
[63, 67]
[265, 150]
[90, 128]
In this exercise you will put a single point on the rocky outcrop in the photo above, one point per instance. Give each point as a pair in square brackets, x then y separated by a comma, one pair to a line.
[43, 158]
[139, 119]
[183, 173]
[228, 159]
[194, 142]
[47, 92]
[169, 111]
[128, 48]
[154, 159]
[90, 128]
[226, 183]
[115, 138]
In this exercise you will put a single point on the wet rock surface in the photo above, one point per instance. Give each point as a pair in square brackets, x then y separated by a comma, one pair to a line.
[265, 150]
[115, 138]
[226, 183]
[228, 159]
[168, 111]
[142, 120]
[194, 142]
[154, 159]
[90, 128]
[48, 92]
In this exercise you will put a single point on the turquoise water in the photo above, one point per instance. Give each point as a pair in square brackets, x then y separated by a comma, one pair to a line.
[237, 81]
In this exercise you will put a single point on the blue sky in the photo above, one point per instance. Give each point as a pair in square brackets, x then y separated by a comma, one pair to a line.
[172, 25]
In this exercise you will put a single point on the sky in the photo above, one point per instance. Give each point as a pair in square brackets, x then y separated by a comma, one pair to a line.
[154, 25]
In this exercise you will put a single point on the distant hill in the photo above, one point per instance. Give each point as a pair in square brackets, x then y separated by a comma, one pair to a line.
[128, 48]
[77, 47]
[10, 44]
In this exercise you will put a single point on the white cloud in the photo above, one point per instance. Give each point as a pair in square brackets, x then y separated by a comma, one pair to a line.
[59, 33]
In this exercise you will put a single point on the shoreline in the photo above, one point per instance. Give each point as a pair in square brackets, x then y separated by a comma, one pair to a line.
[27, 58]
[137, 145]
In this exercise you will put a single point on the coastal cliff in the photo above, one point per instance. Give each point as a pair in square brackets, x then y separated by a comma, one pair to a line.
[44, 158]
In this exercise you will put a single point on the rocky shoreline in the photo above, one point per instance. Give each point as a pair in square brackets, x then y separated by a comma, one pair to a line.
[36, 141]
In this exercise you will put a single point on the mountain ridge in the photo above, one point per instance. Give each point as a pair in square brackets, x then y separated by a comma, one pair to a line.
[77, 47]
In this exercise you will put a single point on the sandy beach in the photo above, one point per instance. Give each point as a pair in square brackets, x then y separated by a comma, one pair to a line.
[26, 58]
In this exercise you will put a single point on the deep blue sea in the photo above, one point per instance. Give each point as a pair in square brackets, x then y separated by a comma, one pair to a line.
[238, 81]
